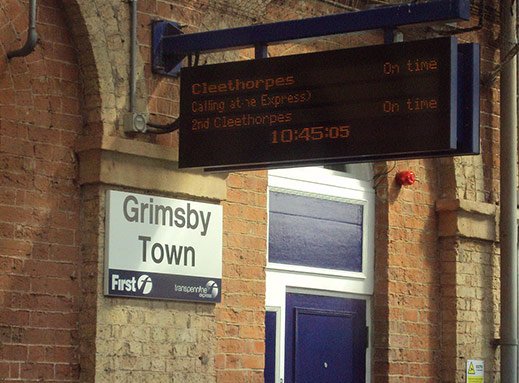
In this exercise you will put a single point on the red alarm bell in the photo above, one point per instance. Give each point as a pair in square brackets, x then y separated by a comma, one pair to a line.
[405, 178]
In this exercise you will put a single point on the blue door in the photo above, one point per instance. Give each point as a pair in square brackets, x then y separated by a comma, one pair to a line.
[325, 339]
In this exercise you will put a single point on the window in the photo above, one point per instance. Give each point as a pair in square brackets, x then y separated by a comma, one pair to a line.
[309, 230]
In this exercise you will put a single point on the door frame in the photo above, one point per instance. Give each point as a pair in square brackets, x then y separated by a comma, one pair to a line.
[282, 279]
[277, 311]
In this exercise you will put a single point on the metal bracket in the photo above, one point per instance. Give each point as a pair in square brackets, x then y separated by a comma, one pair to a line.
[170, 46]
[165, 63]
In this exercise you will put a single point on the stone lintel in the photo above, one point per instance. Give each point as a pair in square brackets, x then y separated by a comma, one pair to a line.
[469, 219]
[135, 164]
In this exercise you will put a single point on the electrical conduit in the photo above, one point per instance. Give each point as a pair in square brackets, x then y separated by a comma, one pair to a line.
[32, 35]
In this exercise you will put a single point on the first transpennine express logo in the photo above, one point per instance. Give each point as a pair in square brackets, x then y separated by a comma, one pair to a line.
[142, 285]
[209, 291]
[212, 288]
[145, 284]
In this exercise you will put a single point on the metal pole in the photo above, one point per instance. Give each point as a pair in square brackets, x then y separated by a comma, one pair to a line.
[508, 200]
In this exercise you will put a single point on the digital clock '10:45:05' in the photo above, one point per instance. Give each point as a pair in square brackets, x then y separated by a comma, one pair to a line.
[316, 133]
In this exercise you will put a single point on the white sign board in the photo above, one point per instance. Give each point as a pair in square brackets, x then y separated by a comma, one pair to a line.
[162, 248]
[475, 371]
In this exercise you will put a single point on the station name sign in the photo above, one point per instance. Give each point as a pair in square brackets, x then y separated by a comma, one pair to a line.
[370, 103]
[163, 248]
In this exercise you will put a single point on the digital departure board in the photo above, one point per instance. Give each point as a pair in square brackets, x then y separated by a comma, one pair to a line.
[359, 104]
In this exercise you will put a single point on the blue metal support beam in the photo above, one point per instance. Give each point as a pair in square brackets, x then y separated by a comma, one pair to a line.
[170, 46]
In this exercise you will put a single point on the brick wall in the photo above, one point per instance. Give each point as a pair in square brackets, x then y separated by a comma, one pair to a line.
[39, 199]
[407, 287]
[241, 316]
[437, 271]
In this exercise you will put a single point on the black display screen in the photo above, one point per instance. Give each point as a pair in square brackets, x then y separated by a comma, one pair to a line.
[350, 105]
